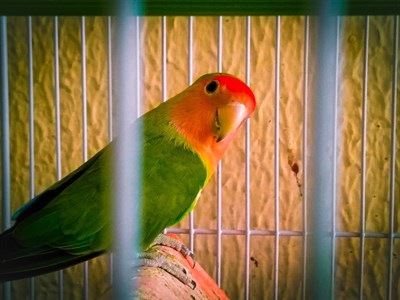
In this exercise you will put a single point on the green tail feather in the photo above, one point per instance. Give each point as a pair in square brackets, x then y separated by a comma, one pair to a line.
[17, 262]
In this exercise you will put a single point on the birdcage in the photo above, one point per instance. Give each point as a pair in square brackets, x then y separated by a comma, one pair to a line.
[305, 204]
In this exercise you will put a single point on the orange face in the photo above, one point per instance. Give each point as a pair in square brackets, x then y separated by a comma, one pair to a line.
[209, 113]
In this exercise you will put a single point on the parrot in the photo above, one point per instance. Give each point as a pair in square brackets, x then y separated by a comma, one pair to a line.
[183, 140]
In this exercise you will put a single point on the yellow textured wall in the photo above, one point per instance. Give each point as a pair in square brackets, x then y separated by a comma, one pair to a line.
[205, 53]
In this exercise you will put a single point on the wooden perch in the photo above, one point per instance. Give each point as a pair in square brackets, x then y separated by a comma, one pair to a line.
[155, 283]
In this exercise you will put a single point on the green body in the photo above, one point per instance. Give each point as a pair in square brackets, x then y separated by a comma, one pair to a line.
[71, 220]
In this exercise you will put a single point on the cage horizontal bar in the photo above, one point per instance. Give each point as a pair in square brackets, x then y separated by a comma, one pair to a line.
[254, 232]
[187, 7]
[367, 235]
[234, 232]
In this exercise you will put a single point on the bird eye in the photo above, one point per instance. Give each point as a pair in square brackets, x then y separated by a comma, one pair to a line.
[212, 87]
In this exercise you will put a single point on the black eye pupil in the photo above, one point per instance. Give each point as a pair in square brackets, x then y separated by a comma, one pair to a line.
[211, 87]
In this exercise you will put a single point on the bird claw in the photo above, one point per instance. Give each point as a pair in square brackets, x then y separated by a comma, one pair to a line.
[165, 240]
[158, 260]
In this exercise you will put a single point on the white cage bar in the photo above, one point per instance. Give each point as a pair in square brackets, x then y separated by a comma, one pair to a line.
[58, 125]
[31, 131]
[276, 152]
[110, 110]
[335, 147]
[393, 155]
[323, 160]
[305, 152]
[247, 165]
[219, 172]
[164, 57]
[363, 156]
[84, 135]
[126, 180]
[190, 81]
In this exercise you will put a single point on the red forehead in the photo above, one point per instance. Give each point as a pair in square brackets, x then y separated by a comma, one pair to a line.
[235, 85]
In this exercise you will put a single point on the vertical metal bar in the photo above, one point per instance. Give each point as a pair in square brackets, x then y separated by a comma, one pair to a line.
[393, 156]
[58, 133]
[126, 221]
[335, 137]
[363, 156]
[190, 50]
[276, 164]
[84, 98]
[164, 63]
[164, 56]
[220, 36]
[31, 112]
[57, 99]
[219, 172]
[247, 166]
[31, 132]
[110, 114]
[319, 282]
[305, 152]
[84, 135]
[5, 138]
[110, 83]
[190, 79]
[138, 69]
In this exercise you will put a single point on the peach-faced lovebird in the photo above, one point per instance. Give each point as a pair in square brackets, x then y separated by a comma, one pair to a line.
[184, 138]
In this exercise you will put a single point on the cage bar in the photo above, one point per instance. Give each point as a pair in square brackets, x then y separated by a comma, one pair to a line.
[84, 93]
[110, 112]
[164, 57]
[190, 80]
[276, 153]
[138, 69]
[5, 138]
[31, 131]
[393, 156]
[287, 233]
[335, 140]
[247, 165]
[219, 171]
[127, 207]
[58, 132]
[57, 98]
[84, 135]
[363, 156]
[190, 50]
[252, 232]
[319, 281]
[109, 76]
[31, 112]
[305, 152]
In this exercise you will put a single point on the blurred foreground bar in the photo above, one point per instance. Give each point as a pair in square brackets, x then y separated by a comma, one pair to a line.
[321, 208]
[5, 139]
[196, 8]
[126, 178]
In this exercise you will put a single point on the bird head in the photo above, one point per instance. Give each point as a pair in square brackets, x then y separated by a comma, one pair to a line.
[210, 112]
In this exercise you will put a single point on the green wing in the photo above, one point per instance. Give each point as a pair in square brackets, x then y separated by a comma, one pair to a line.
[64, 225]
[73, 214]
[71, 220]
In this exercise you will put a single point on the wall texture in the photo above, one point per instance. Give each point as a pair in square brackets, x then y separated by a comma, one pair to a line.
[205, 58]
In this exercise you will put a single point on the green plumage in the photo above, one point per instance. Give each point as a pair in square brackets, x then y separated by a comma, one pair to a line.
[71, 221]
[183, 140]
